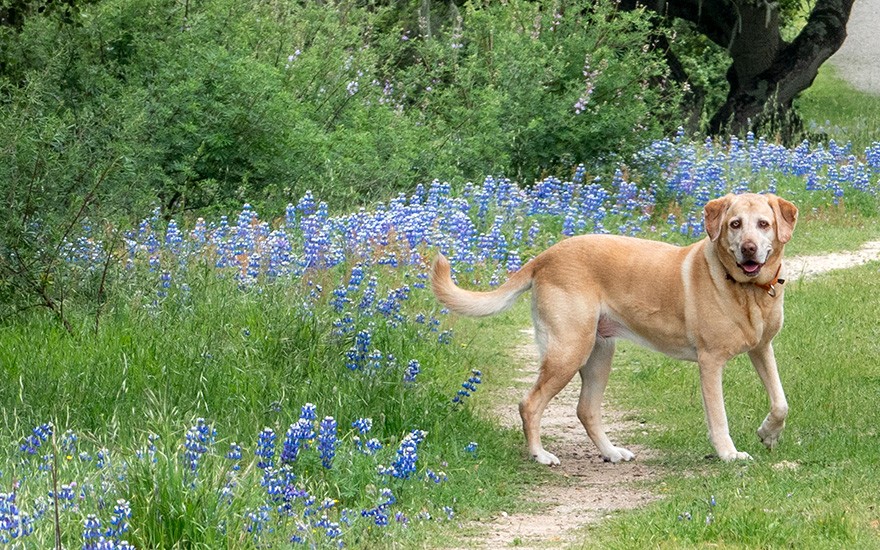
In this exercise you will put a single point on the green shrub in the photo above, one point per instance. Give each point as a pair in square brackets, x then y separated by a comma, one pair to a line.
[213, 103]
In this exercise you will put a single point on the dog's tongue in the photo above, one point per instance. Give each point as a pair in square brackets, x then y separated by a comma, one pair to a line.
[751, 267]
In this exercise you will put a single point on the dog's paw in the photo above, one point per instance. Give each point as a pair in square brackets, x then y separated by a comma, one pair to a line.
[543, 457]
[769, 437]
[618, 454]
[734, 455]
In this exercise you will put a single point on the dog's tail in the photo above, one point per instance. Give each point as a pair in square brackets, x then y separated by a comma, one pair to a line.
[477, 304]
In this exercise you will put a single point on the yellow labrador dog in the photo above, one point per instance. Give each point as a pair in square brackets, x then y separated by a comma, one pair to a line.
[706, 302]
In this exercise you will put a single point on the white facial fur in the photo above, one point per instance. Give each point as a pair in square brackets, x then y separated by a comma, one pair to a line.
[750, 231]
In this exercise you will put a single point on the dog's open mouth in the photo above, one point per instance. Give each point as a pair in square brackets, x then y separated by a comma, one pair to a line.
[751, 268]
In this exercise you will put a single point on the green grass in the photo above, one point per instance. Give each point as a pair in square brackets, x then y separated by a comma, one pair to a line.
[832, 107]
[831, 230]
[819, 488]
[243, 360]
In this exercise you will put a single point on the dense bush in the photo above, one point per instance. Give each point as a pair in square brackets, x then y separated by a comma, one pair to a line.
[211, 103]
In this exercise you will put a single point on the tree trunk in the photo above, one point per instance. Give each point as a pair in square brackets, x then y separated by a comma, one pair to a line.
[760, 90]
[766, 73]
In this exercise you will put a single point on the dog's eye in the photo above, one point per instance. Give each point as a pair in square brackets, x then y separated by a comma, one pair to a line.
[763, 224]
[735, 224]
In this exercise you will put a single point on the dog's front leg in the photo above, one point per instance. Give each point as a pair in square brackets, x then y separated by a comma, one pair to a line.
[713, 402]
[764, 361]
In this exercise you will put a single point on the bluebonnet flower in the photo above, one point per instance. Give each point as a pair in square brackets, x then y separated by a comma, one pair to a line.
[266, 448]
[164, 284]
[362, 425]
[199, 233]
[413, 368]
[151, 446]
[257, 521]
[471, 448]
[68, 443]
[234, 454]
[368, 298]
[327, 441]
[119, 520]
[369, 448]
[388, 497]
[436, 477]
[35, 440]
[14, 524]
[380, 512]
[344, 325]
[102, 457]
[404, 465]
[340, 298]
[357, 355]
[297, 437]
[66, 495]
[173, 237]
[468, 387]
[198, 438]
[92, 534]
[373, 445]
[290, 217]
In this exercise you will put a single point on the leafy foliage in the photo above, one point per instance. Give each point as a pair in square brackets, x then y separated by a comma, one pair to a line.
[212, 103]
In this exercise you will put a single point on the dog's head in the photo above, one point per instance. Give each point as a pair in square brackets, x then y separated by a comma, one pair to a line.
[749, 230]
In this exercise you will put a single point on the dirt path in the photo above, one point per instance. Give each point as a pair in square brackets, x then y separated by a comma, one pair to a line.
[584, 488]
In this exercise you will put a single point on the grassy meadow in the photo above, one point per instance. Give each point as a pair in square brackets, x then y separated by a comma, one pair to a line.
[250, 383]
[286, 379]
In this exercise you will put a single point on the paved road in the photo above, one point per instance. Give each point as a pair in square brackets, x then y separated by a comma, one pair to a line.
[858, 60]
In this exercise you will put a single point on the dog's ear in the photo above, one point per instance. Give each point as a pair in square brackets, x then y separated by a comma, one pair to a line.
[713, 213]
[786, 217]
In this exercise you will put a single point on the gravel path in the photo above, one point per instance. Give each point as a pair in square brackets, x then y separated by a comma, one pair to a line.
[858, 60]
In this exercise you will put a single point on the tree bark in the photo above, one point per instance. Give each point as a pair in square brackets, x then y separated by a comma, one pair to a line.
[792, 69]
[766, 72]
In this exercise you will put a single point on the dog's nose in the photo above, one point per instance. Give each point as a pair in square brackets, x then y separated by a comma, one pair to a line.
[748, 249]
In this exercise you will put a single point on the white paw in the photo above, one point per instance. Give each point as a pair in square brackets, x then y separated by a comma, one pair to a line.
[543, 457]
[618, 454]
[734, 455]
[769, 437]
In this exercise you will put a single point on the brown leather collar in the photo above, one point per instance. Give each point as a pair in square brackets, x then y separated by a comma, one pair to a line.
[769, 288]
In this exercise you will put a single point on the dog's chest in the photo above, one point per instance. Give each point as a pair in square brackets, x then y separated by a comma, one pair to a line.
[756, 321]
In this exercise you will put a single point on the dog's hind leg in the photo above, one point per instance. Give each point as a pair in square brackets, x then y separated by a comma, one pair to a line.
[594, 379]
[565, 353]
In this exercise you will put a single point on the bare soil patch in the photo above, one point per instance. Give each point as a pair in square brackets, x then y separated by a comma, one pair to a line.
[584, 489]
[805, 267]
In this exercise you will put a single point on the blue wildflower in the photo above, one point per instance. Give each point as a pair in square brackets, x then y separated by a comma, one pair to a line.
[266, 448]
[468, 387]
[234, 454]
[196, 442]
[362, 425]
[92, 536]
[327, 441]
[413, 368]
[119, 520]
[39, 435]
